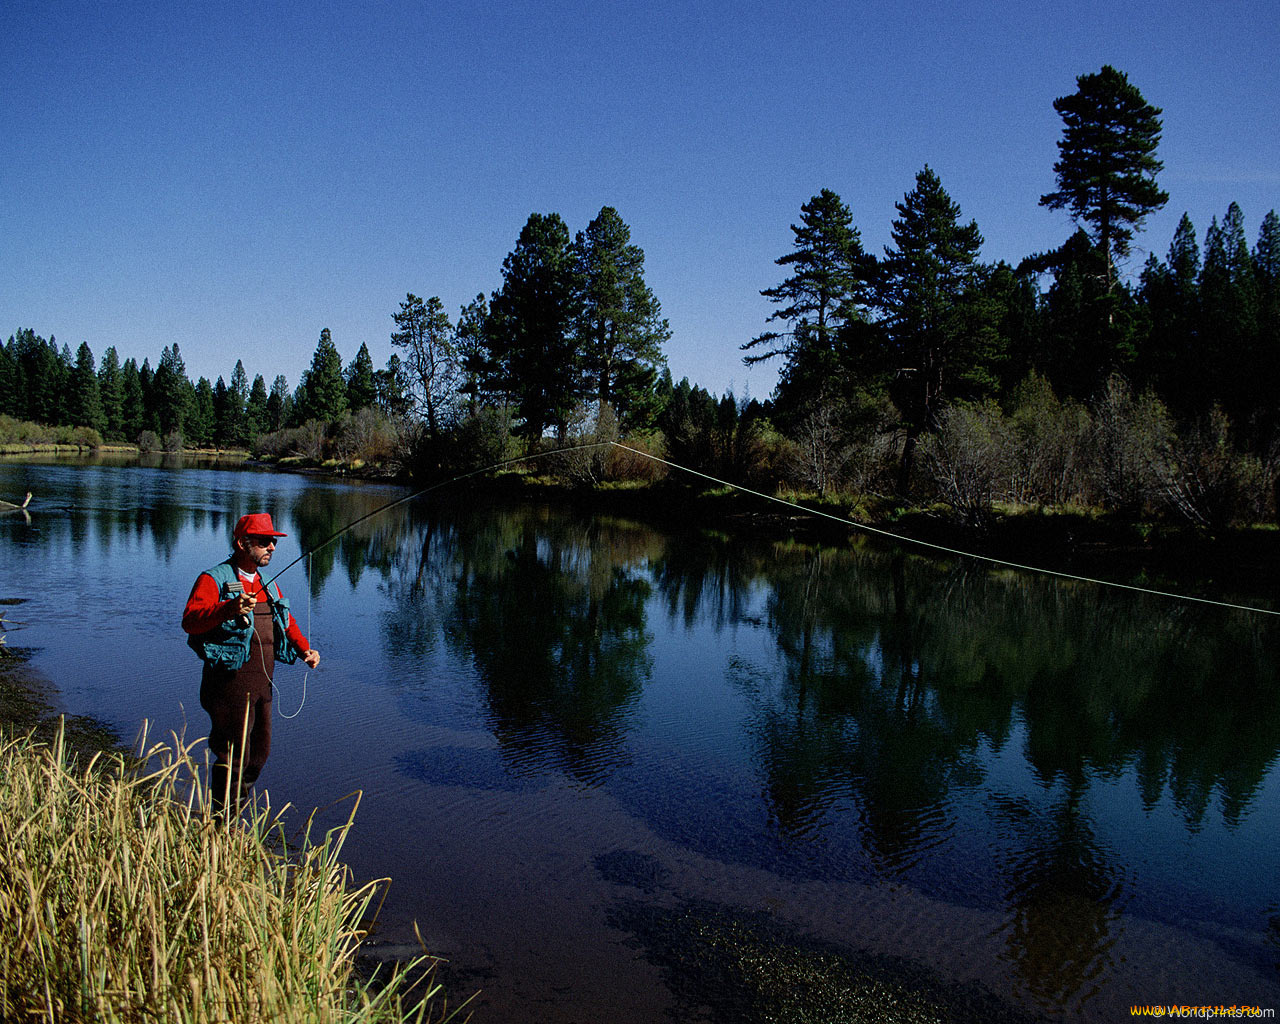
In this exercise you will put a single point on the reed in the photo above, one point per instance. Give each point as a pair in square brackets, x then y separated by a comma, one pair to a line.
[123, 899]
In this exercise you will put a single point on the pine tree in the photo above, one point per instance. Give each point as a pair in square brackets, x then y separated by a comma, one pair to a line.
[235, 421]
[170, 392]
[362, 389]
[393, 390]
[325, 390]
[255, 410]
[828, 289]
[133, 401]
[84, 401]
[531, 320]
[1229, 320]
[10, 381]
[620, 328]
[222, 425]
[474, 362]
[150, 413]
[1107, 163]
[1170, 293]
[279, 404]
[430, 361]
[111, 388]
[201, 418]
[939, 334]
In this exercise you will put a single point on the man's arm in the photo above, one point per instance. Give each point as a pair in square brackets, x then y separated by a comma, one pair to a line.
[204, 611]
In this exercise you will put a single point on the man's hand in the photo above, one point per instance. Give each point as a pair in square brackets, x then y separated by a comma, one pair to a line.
[242, 605]
[311, 658]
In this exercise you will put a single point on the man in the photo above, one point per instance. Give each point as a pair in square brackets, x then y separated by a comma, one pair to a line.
[240, 631]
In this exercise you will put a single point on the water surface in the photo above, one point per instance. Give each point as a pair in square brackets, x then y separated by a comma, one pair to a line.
[590, 750]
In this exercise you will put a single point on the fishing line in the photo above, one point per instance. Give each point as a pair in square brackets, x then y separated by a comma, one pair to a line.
[900, 538]
[848, 523]
[302, 703]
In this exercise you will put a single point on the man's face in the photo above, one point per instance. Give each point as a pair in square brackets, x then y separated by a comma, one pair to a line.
[258, 549]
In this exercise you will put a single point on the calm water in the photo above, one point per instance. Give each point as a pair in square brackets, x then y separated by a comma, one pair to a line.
[590, 750]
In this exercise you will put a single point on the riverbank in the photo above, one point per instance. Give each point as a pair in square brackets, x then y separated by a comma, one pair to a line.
[1085, 542]
[1239, 560]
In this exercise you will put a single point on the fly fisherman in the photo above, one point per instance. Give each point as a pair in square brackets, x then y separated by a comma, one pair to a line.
[240, 631]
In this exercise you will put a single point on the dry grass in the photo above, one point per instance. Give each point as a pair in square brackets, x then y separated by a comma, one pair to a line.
[123, 899]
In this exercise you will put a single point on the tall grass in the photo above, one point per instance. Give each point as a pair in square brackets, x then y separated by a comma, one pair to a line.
[123, 899]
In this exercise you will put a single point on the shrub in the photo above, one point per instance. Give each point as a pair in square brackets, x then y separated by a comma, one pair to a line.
[1051, 446]
[485, 439]
[1202, 478]
[968, 459]
[1130, 436]
[367, 435]
[148, 441]
[627, 465]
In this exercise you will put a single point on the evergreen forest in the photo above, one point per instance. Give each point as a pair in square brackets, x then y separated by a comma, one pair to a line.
[920, 374]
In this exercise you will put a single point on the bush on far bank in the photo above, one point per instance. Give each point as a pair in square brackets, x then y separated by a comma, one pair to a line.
[365, 437]
[25, 434]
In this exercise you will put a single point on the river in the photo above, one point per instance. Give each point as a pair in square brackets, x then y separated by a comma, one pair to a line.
[627, 774]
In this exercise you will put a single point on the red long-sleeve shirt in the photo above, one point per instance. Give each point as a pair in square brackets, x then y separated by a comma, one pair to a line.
[204, 611]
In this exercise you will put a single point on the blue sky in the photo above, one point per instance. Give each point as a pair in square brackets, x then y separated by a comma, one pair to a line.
[234, 177]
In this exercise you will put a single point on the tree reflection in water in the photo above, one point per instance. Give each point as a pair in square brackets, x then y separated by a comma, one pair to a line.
[897, 681]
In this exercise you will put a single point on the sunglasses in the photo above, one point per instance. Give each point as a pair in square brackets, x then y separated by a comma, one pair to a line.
[261, 542]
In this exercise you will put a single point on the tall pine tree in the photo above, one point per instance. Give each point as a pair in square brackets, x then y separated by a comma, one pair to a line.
[431, 361]
[531, 320]
[828, 288]
[620, 327]
[939, 330]
[1107, 163]
[323, 387]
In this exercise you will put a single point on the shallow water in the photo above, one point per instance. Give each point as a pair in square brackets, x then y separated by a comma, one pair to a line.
[589, 750]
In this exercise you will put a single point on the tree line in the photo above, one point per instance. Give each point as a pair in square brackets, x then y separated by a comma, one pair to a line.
[922, 371]
[124, 402]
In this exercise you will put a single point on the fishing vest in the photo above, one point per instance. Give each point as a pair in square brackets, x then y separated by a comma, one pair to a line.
[227, 644]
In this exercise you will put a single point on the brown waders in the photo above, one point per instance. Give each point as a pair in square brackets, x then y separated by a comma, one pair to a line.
[239, 706]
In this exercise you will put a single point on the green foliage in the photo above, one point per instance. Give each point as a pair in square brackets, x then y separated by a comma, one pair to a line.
[487, 437]
[471, 341]
[1107, 163]
[201, 417]
[323, 389]
[362, 388]
[829, 289]
[620, 329]
[939, 326]
[1087, 327]
[255, 410]
[111, 390]
[1051, 446]
[170, 392]
[279, 404]
[431, 370]
[22, 434]
[133, 403]
[536, 364]
[1170, 296]
[84, 400]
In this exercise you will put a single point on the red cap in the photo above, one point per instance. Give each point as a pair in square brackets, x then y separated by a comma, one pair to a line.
[256, 524]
